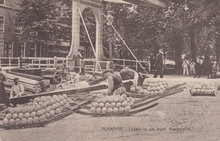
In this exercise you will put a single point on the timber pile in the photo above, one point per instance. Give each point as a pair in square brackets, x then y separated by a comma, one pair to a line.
[32, 84]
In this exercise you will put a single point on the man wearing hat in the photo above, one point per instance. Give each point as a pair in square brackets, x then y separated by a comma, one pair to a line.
[159, 64]
[4, 97]
[77, 57]
[115, 86]
[17, 89]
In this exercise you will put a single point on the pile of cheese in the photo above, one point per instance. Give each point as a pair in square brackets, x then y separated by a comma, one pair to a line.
[112, 104]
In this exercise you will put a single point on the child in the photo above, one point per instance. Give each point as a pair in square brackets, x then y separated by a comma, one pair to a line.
[214, 69]
[185, 67]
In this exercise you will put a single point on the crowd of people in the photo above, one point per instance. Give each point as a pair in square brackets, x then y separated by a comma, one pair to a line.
[202, 66]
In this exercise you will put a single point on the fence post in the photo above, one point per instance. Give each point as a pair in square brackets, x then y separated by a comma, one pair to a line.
[32, 63]
[9, 61]
[39, 62]
[55, 62]
[19, 62]
[124, 63]
[0, 61]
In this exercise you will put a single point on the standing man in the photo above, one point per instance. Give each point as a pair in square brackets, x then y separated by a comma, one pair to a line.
[159, 64]
[192, 67]
[152, 63]
[4, 97]
[115, 86]
[17, 89]
[198, 68]
[77, 57]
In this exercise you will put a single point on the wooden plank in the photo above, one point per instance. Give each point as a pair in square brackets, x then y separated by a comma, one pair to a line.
[87, 112]
[203, 94]
[72, 91]
[22, 79]
[143, 108]
[133, 111]
[144, 102]
[29, 76]
[172, 93]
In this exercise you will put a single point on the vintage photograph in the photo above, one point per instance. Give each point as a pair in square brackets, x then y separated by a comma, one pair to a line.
[109, 70]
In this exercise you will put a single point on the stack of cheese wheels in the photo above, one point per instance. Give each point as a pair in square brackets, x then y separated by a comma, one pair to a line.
[36, 111]
[153, 87]
[112, 104]
[204, 88]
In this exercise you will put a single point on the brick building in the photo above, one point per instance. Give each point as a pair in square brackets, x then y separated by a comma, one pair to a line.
[11, 43]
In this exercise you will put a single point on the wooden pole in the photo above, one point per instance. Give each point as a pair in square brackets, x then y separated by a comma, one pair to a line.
[87, 32]
[128, 48]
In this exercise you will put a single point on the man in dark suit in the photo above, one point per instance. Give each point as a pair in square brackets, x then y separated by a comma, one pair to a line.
[159, 64]
[4, 97]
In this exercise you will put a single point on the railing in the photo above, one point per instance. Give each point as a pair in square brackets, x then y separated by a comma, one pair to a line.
[119, 64]
[33, 62]
[44, 62]
[9, 62]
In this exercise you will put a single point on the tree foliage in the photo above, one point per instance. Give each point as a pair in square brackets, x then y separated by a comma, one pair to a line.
[40, 16]
[185, 26]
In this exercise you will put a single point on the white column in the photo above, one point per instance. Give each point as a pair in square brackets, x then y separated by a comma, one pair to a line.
[24, 49]
[75, 28]
[99, 35]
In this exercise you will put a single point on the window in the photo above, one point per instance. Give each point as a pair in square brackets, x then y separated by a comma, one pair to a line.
[8, 49]
[2, 1]
[18, 28]
[33, 33]
[1, 24]
[22, 50]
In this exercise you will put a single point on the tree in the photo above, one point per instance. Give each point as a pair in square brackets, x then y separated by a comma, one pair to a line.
[40, 16]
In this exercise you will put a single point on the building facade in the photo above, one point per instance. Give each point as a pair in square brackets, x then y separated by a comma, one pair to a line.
[11, 42]
[14, 44]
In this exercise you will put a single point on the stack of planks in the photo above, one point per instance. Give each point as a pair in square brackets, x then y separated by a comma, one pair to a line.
[32, 84]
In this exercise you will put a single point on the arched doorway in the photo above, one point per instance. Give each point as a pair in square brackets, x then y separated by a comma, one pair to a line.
[90, 21]
[77, 8]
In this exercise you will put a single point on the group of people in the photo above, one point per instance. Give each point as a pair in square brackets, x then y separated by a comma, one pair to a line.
[202, 66]
[157, 63]
[17, 90]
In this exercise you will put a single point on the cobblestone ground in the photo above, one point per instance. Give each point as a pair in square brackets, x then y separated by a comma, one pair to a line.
[179, 117]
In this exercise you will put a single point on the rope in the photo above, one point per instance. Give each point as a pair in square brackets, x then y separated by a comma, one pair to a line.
[128, 48]
[87, 32]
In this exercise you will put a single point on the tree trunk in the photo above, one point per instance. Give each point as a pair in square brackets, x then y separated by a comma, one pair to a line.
[178, 46]
[193, 45]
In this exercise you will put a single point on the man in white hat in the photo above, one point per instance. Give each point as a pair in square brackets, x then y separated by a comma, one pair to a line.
[4, 97]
